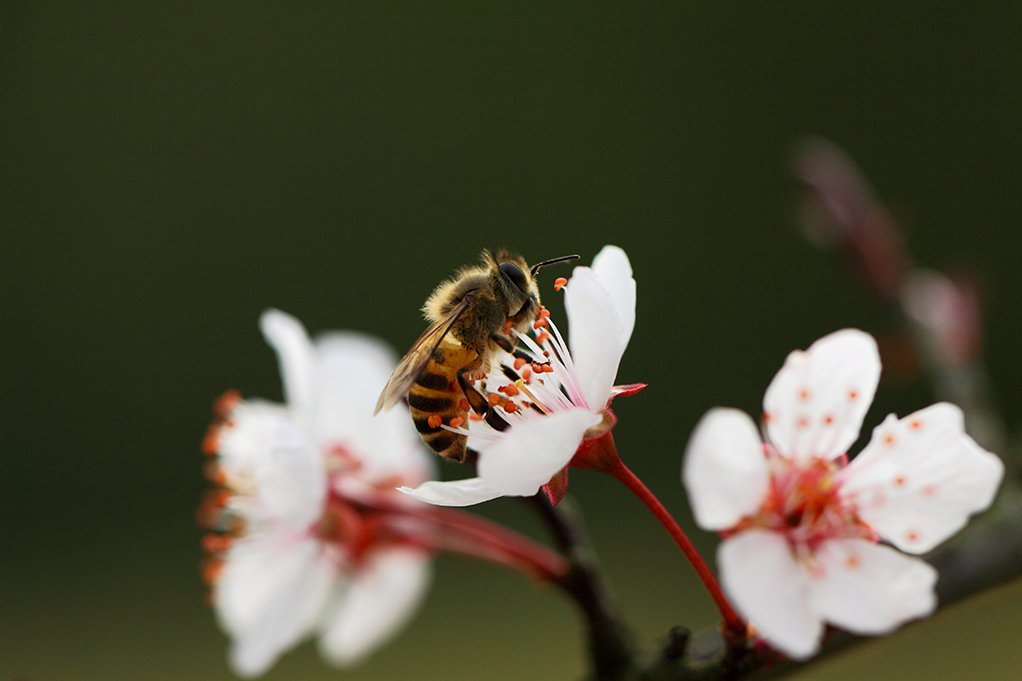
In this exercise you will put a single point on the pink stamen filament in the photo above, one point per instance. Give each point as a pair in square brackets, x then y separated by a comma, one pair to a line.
[521, 386]
[461, 533]
[469, 535]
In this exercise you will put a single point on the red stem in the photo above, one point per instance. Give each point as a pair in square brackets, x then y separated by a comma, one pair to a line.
[735, 629]
[549, 564]
[469, 535]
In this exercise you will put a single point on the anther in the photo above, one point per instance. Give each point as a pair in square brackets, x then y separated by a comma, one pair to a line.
[559, 283]
[211, 443]
[226, 403]
[211, 570]
[213, 543]
[457, 421]
[214, 473]
[435, 420]
[510, 407]
[493, 399]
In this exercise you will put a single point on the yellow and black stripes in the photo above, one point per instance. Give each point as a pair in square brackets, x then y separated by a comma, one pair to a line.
[435, 399]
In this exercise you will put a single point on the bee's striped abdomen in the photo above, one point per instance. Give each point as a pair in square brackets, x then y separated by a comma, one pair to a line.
[436, 394]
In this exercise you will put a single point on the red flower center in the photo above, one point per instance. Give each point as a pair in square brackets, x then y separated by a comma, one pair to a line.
[804, 504]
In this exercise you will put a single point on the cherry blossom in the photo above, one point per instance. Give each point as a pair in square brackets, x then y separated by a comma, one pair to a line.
[801, 525]
[556, 406]
[302, 547]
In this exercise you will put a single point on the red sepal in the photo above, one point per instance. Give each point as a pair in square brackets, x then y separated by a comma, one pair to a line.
[630, 389]
[557, 487]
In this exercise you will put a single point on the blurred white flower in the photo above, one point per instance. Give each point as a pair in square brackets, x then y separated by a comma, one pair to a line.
[301, 551]
[801, 524]
[556, 404]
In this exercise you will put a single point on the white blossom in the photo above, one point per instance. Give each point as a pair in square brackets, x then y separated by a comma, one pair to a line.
[298, 477]
[801, 525]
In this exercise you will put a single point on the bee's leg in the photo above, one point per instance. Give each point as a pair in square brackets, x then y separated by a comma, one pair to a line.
[518, 353]
[502, 342]
[476, 399]
[521, 353]
[480, 404]
[496, 421]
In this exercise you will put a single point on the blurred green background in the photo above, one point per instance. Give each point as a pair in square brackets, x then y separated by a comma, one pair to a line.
[167, 171]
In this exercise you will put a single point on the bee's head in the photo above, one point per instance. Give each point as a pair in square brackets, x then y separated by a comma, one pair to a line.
[514, 281]
[517, 282]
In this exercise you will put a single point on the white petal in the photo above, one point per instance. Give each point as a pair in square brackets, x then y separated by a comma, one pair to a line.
[269, 595]
[454, 493]
[244, 445]
[870, 589]
[278, 474]
[815, 404]
[725, 472]
[921, 477]
[597, 335]
[611, 265]
[769, 589]
[297, 358]
[292, 484]
[257, 567]
[353, 368]
[382, 597]
[527, 455]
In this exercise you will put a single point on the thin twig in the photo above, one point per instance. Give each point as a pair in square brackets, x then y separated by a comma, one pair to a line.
[611, 646]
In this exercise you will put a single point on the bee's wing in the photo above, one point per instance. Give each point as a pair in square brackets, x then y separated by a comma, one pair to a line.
[412, 364]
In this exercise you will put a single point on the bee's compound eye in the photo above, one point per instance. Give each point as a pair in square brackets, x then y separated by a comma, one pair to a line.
[514, 273]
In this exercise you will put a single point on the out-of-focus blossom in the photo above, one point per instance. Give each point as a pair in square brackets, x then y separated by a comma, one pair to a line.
[948, 314]
[303, 543]
[841, 211]
[556, 405]
[801, 524]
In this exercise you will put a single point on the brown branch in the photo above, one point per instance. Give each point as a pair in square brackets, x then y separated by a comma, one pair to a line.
[611, 645]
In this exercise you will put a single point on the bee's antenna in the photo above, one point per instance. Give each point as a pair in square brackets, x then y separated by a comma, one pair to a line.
[563, 258]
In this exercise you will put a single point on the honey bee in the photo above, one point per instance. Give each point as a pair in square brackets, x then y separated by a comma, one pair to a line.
[471, 316]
